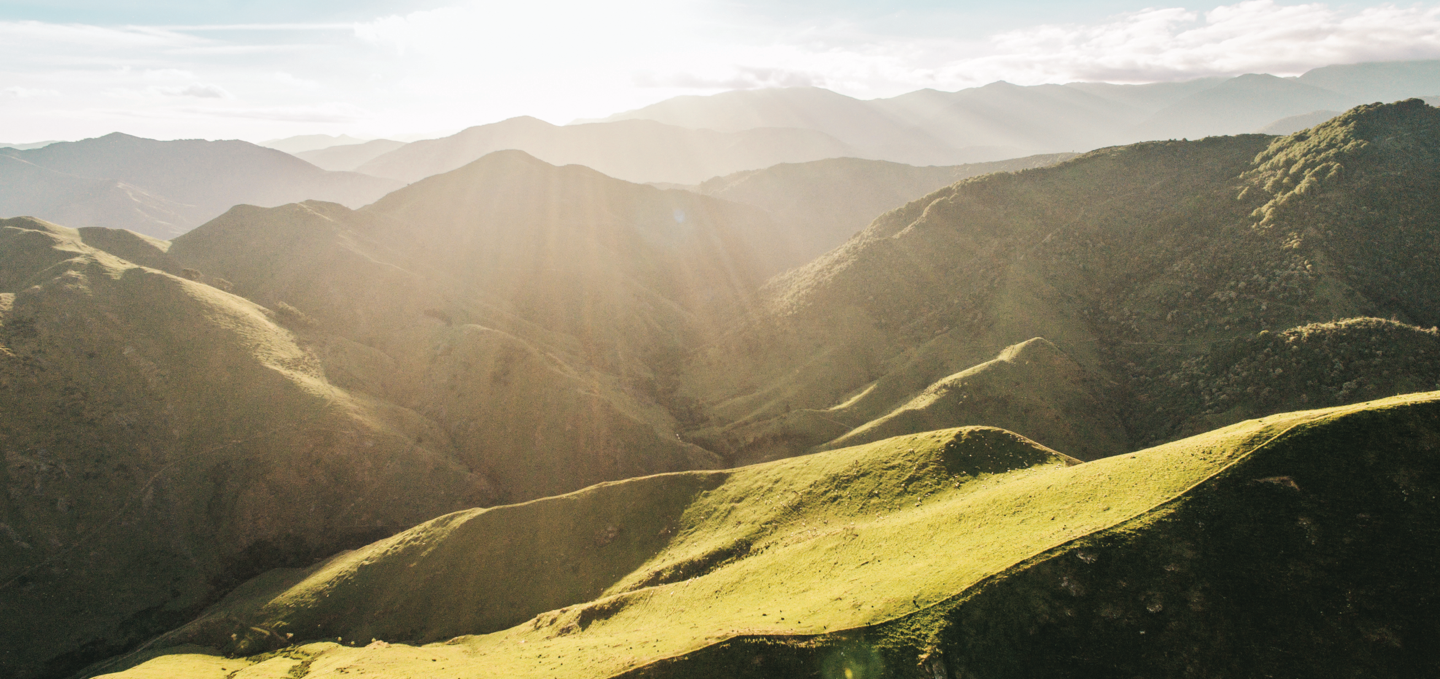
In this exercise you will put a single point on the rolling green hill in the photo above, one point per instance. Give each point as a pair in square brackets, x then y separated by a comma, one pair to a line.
[1144, 264]
[1290, 545]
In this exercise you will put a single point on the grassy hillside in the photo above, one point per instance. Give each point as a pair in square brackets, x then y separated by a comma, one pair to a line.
[1135, 261]
[1287, 544]
[163, 440]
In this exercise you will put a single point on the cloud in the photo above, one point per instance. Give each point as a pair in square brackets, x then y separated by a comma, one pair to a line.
[1256, 36]
[27, 93]
[199, 91]
[21, 34]
[331, 112]
[291, 81]
[740, 78]
[168, 74]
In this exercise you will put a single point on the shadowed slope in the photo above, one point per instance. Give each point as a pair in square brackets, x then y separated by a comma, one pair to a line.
[968, 551]
[1030, 388]
[164, 439]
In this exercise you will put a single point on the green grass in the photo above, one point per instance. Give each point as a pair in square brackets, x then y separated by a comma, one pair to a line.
[884, 543]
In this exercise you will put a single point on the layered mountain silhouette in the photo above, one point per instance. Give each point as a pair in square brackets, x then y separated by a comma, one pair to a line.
[165, 188]
[311, 142]
[347, 157]
[488, 354]
[821, 203]
[634, 150]
[1001, 120]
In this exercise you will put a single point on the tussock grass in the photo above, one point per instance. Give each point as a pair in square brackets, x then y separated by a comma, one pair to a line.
[775, 569]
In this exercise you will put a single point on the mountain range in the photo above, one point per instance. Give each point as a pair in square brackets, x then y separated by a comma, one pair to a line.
[575, 425]
[164, 188]
[1001, 120]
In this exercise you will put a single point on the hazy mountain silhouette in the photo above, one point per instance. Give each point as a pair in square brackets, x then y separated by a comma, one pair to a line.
[1238, 106]
[347, 157]
[1296, 123]
[635, 150]
[23, 147]
[185, 182]
[870, 132]
[33, 190]
[310, 142]
[1001, 120]
[821, 203]
[1377, 81]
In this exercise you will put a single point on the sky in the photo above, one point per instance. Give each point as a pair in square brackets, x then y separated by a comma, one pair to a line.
[264, 69]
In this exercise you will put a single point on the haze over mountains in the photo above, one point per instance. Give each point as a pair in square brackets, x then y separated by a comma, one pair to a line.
[164, 188]
[999, 120]
[999, 414]
[689, 140]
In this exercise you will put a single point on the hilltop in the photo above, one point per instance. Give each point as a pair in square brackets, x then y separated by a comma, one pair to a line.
[960, 552]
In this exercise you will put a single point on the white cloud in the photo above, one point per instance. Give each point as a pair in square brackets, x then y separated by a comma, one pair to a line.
[168, 74]
[737, 78]
[477, 61]
[1256, 36]
[199, 91]
[290, 80]
[27, 93]
[331, 112]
